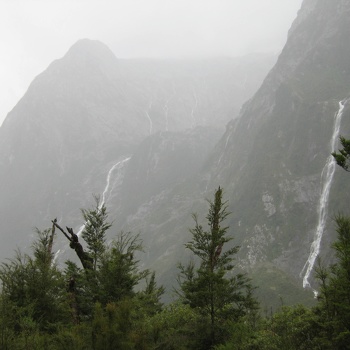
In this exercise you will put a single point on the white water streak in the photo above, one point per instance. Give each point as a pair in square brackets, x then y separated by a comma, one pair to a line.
[166, 110]
[56, 256]
[327, 175]
[150, 123]
[149, 118]
[119, 165]
[194, 108]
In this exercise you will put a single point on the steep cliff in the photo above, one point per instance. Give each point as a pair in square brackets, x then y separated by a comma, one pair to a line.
[272, 162]
[89, 110]
[150, 136]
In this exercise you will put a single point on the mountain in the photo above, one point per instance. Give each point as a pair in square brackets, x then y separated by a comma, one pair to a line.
[273, 162]
[88, 112]
[155, 138]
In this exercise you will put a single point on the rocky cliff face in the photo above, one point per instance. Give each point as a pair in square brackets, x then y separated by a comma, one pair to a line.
[271, 160]
[89, 110]
[150, 136]
[58, 140]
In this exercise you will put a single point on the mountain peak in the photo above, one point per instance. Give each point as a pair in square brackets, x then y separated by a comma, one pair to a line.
[91, 48]
[85, 60]
[90, 52]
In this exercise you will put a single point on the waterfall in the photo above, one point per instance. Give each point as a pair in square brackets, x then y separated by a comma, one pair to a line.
[107, 190]
[327, 177]
[149, 118]
[56, 256]
[194, 108]
[105, 194]
[166, 111]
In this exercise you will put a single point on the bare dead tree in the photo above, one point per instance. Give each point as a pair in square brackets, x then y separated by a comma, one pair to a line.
[83, 256]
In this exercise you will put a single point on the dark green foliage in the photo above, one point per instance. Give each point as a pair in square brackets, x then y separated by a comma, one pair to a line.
[177, 327]
[100, 308]
[115, 272]
[80, 292]
[74, 337]
[343, 157]
[34, 288]
[334, 305]
[79, 308]
[150, 296]
[292, 328]
[111, 326]
[211, 288]
[118, 270]
[94, 233]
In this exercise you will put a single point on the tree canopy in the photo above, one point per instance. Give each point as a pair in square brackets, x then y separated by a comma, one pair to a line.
[106, 301]
[343, 157]
[213, 288]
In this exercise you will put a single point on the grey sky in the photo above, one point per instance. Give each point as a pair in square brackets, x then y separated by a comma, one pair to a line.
[35, 32]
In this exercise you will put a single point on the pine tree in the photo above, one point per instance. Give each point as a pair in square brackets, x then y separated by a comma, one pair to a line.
[334, 297]
[94, 232]
[34, 287]
[209, 288]
[119, 272]
[343, 157]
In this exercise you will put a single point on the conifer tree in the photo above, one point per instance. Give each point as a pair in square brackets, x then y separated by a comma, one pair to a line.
[119, 271]
[335, 290]
[94, 232]
[212, 288]
[343, 157]
[34, 287]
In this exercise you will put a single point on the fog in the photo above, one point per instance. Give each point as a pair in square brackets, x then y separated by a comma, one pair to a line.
[34, 33]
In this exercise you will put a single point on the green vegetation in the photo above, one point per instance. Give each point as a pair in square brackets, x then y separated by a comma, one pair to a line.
[208, 289]
[277, 289]
[99, 304]
[343, 157]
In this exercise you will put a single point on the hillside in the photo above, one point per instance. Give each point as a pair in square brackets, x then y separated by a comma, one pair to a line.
[155, 138]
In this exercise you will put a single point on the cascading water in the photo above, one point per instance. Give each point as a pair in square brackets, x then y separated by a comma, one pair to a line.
[105, 194]
[107, 191]
[166, 111]
[194, 108]
[149, 118]
[327, 176]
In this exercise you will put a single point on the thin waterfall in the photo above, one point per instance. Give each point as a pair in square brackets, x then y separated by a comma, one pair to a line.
[327, 177]
[149, 118]
[56, 256]
[107, 191]
[105, 195]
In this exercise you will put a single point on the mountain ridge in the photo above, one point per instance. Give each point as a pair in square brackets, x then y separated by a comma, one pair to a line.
[270, 159]
[185, 135]
[87, 111]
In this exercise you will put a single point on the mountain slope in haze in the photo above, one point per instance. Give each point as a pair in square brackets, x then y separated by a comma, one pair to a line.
[284, 136]
[88, 111]
[147, 135]
[271, 160]
[60, 136]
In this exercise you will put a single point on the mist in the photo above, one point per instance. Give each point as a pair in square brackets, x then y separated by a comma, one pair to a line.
[34, 33]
